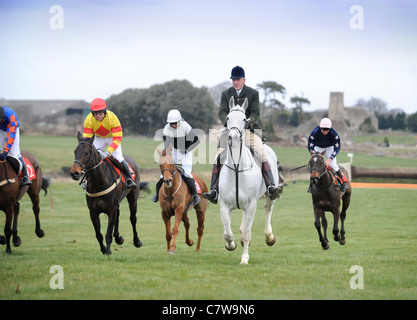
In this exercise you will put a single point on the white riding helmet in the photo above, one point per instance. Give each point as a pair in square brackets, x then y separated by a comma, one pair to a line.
[174, 116]
[325, 123]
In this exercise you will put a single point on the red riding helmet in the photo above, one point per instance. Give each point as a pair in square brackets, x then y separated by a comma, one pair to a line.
[98, 104]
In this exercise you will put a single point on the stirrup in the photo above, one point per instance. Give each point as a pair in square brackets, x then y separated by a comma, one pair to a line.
[211, 196]
[273, 192]
[155, 197]
[196, 200]
[26, 181]
[130, 183]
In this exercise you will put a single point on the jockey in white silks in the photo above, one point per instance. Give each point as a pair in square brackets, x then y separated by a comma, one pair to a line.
[183, 138]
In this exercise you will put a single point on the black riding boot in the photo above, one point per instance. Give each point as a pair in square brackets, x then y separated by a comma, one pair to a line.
[129, 181]
[214, 187]
[158, 186]
[25, 176]
[193, 189]
[273, 191]
[343, 187]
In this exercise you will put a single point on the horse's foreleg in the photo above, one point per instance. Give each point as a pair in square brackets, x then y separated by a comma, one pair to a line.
[178, 219]
[186, 222]
[117, 237]
[16, 239]
[319, 214]
[227, 232]
[7, 227]
[336, 217]
[168, 234]
[246, 233]
[95, 219]
[113, 219]
[270, 238]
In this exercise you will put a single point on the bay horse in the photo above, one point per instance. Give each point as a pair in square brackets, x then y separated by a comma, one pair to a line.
[11, 192]
[175, 200]
[326, 196]
[241, 183]
[105, 190]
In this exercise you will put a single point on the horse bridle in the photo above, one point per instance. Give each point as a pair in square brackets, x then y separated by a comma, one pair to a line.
[236, 164]
[310, 169]
[85, 170]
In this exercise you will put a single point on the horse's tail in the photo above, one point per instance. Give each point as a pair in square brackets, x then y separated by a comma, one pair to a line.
[46, 182]
[144, 187]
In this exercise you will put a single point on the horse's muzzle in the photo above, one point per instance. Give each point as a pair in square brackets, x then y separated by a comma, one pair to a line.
[75, 175]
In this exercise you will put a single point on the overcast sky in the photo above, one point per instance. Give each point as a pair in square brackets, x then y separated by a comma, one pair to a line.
[98, 48]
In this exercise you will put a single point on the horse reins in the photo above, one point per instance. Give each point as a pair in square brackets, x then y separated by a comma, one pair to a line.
[236, 165]
[173, 172]
[320, 174]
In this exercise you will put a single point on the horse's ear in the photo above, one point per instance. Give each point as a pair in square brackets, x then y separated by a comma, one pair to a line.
[323, 152]
[231, 102]
[245, 104]
[79, 136]
[312, 152]
[92, 137]
[170, 148]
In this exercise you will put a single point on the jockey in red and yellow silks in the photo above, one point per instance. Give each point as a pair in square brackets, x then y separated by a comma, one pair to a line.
[109, 127]
[108, 135]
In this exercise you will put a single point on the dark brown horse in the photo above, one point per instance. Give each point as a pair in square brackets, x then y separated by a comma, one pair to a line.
[326, 197]
[105, 190]
[175, 200]
[11, 192]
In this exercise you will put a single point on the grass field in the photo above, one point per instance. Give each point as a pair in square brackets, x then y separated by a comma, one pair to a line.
[380, 232]
[381, 239]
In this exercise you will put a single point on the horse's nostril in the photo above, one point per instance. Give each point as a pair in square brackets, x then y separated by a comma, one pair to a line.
[75, 175]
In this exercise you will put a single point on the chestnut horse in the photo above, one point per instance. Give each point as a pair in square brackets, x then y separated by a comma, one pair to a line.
[175, 200]
[326, 197]
[11, 192]
[105, 190]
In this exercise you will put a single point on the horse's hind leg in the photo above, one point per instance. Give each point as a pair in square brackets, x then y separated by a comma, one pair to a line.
[270, 238]
[36, 210]
[200, 228]
[7, 227]
[186, 222]
[16, 239]
[346, 202]
[133, 220]
[246, 233]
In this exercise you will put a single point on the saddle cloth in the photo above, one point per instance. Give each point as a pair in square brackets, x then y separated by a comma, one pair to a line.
[336, 179]
[18, 167]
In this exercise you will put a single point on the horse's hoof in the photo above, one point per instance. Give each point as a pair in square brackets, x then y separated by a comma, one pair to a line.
[40, 233]
[232, 246]
[337, 237]
[171, 251]
[119, 240]
[190, 244]
[342, 242]
[2, 240]
[270, 242]
[17, 242]
[325, 246]
[137, 243]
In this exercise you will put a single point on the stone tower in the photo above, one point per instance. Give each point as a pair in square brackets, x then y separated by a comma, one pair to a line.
[336, 106]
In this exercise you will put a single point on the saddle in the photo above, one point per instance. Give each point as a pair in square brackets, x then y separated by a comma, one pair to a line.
[117, 167]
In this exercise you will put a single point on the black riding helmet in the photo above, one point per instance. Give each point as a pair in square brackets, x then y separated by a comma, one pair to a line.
[1, 112]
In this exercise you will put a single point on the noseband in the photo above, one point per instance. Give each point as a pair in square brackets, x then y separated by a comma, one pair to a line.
[85, 170]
